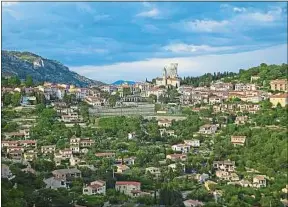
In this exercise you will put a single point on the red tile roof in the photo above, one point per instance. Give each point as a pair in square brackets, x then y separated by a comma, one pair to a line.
[28, 141]
[10, 142]
[95, 186]
[282, 95]
[128, 183]
[278, 81]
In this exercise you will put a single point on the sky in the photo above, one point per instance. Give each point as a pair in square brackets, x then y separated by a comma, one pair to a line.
[108, 41]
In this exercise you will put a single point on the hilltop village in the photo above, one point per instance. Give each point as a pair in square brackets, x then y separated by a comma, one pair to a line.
[215, 140]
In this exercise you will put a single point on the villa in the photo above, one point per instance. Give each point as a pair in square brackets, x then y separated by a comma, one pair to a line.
[95, 187]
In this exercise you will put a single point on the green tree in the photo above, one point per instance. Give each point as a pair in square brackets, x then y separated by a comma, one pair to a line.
[14, 81]
[40, 108]
[43, 165]
[126, 91]
[28, 81]
[269, 201]
[84, 111]
[15, 99]
[152, 98]
[168, 196]
[147, 200]
[113, 99]
[4, 82]
[200, 193]
[40, 98]
[67, 98]
[10, 127]
[77, 130]
[7, 99]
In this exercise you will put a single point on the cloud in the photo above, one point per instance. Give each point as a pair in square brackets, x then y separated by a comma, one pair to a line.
[193, 66]
[154, 12]
[186, 48]
[259, 17]
[151, 11]
[87, 8]
[239, 9]
[206, 25]
[242, 19]
[252, 14]
[270, 16]
[228, 7]
[87, 51]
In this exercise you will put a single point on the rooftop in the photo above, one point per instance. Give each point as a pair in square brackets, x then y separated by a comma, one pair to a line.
[66, 171]
[278, 81]
[260, 177]
[128, 183]
[282, 95]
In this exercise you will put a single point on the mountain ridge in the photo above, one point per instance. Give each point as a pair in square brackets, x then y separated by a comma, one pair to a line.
[120, 82]
[25, 63]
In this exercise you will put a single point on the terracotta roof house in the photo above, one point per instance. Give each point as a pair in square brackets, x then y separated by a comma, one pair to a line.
[238, 140]
[95, 187]
[130, 188]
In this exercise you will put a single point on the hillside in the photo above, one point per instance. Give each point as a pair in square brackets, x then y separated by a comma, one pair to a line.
[265, 72]
[41, 69]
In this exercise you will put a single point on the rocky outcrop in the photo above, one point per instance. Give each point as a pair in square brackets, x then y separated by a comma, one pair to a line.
[41, 69]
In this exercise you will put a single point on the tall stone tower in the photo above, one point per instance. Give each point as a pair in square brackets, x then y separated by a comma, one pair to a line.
[164, 76]
[172, 70]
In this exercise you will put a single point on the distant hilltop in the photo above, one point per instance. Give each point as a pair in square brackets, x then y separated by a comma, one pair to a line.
[41, 69]
[123, 82]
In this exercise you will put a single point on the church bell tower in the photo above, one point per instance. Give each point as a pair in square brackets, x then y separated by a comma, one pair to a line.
[164, 76]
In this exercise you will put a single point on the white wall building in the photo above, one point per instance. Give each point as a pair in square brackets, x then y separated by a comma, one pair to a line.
[130, 188]
[183, 148]
[193, 142]
[95, 187]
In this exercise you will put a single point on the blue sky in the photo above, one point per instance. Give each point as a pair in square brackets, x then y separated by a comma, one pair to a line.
[108, 41]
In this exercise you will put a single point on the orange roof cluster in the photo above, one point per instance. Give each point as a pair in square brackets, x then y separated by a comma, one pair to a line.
[282, 95]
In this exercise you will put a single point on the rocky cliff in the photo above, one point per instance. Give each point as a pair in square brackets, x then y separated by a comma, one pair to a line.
[41, 69]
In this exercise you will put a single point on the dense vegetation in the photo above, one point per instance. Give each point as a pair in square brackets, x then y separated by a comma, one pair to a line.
[206, 79]
[265, 72]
